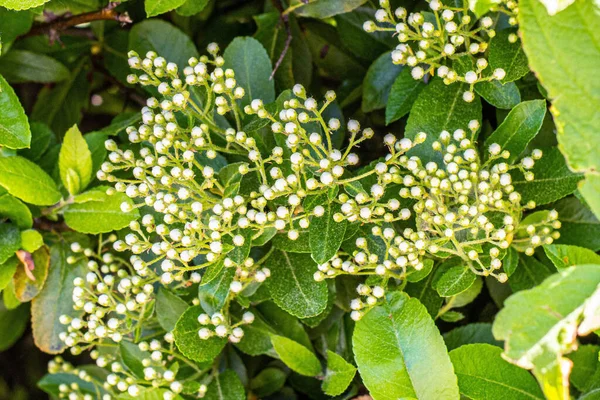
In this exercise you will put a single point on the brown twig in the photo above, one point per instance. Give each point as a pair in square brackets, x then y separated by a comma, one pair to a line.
[53, 28]
[286, 22]
[46, 225]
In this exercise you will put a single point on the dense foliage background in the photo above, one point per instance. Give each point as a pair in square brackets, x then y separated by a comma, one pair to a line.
[64, 91]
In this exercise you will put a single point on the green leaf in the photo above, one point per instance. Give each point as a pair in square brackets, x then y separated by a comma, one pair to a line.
[50, 384]
[192, 7]
[440, 107]
[9, 298]
[169, 308]
[281, 241]
[590, 190]
[510, 261]
[213, 294]
[17, 320]
[518, 128]
[102, 214]
[157, 7]
[452, 278]
[10, 241]
[28, 182]
[339, 374]
[267, 382]
[452, 316]
[31, 240]
[41, 138]
[14, 126]
[132, 357]
[403, 94]
[426, 294]
[508, 56]
[504, 96]
[14, 23]
[226, 386]
[75, 161]
[19, 66]
[326, 8]
[257, 338]
[283, 323]
[189, 343]
[365, 45]
[95, 143]
[55, 299]
[484, 375]
[296, 356]
[553, 180]
[60, 106]
[541, 324]
[579, 225]
[252, 66]
[21, 4]
[326, 235]
[398, 349]
[7, 270]
[466, 297]
[563, 256]
[478, 332]
[586, 367]
[529, 273]
[15, 210]
[378, 82]
[292, 285]
[416, 276]
[564, 74]
[163, 38]
[25, 288]
[329, 52]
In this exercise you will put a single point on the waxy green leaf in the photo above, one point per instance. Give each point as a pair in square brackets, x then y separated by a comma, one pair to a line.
[28, 182]
[189, 343]
[55, 299]
[10, 241]
[296, 356]
[252, 66]
[440, 107]
[75, 161]
[403, 94]
[19, 66]
[484, 375]
[339, 374]
[14, 126]
[292, 285]
[533, 322]
[518, 128]
[326, 235]
[553, 180]
[398, 349]
[102, 213]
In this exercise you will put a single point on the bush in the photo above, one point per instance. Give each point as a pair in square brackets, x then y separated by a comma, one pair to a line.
[227, 226]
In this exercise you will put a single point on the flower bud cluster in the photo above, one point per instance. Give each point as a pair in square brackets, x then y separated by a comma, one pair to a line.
[428, 45]
[111, 298]
[160, 365]
[369, 297]
[219, 325]
[393, 256]
[468, 207]
[74, 390]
